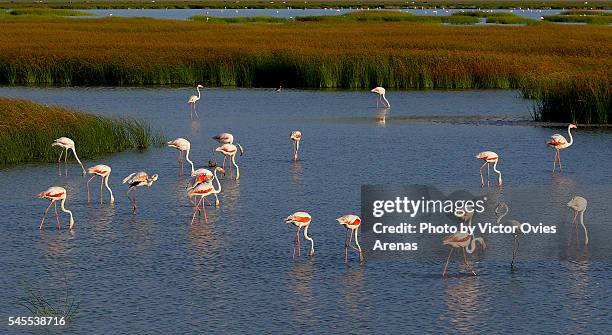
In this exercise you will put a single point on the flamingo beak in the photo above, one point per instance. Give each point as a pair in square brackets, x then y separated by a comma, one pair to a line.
[222, 171]
[40, 195]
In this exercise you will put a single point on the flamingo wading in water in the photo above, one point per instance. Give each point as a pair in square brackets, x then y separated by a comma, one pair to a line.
[192, 102]
[381, 96]
[203, 190]
[230, 150]
[296, 137]
[137, 179]
[501, 210]
[67, 144]
[203, 176]
[103, 171]
[301, 220]
[559, 142]
[467, 243]
[55, 194]
[579, 206]
[489, 157]
[181, 145]
[224, 138]
[351, 222]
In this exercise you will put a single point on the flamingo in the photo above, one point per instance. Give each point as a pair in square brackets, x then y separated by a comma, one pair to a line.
[137, 179]
[203, 190]
[181, 145]
[224, 138]
[489, 157]
[192, 101]
[352, 222]
[301, 220]
[54, 194]
[467, 243]
[103, 171]
[66, 144]
[296, 137]
[205, 176]
[230, 150]
[579, 205]
[559, 142]
[501, 210]
[381, 96]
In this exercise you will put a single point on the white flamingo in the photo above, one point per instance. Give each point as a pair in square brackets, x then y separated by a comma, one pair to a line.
[192, 101]
[137, 179]
[301, 220]
[103, 171]
[381, 96]
[559, 142]
[67, 144]
[231, 150]
[181, 145]
[579, 205]
[55, 194]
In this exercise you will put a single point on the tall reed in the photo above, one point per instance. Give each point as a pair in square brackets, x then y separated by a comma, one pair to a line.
[27, 130]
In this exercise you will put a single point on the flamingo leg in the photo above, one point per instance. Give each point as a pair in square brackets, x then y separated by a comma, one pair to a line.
[195, 210]
[59, 225]
[555, 161]
[488, 174]
[346, 247]
[559, 155]
[88, 196]
[514, 252]
[481, 177]
[224, 158]
[298, 236]
[204, 208]
[447, 260]
[66, 161]
[195, 111]
[294, 244]
[45, 215]
[101, 180]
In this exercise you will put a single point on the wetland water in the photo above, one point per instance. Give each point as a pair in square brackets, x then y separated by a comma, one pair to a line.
[154, 273]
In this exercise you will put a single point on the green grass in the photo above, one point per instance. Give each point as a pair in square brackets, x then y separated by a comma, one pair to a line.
[588, 19]
[27, 130]
[514, 19]
[586, 12]
[48, 12]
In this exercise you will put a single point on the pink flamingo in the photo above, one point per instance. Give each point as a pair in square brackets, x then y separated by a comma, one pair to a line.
[137, 179]
[489, 157]
[381, 96]
[103, 171]
[192, 102]
[296, 137]
[67, 144]
[203, 190]
[230, 150]
[579, 205]
[224, 138]
[301, 220]
[181, 145]
[54, 194]
[467, 243]
[352, 222]
[559, 142]
[205, 176]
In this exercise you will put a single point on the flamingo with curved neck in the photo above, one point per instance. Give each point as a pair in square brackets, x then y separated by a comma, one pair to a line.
[558, 142]
[467, 244]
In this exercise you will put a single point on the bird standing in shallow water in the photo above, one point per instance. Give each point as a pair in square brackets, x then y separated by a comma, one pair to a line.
[489, 157]
[301, 220]
[137, 179]
[467, 243]
[224, 138]
[67, 144]
[181, 145]
[296, 137]
[579, 206]
[559, 142]
[351, 222]
[381, 96]
[103, 171]
[54, 194]
[192, 102]
[501, 210]
[230, 150]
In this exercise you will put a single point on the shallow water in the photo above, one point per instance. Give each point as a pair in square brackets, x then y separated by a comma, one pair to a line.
[184, 14]
[154, 273]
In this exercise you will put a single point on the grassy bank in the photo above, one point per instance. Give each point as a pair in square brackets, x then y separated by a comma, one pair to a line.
[355, 51]
[48, 12]
[27, 130]
[181, 4]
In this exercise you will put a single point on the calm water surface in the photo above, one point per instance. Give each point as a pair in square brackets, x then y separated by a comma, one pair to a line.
[153, 273]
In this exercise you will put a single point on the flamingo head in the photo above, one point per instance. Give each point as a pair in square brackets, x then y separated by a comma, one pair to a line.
[573, 126]
[578, 204]
[200, 86]
[220, 169]
[40, 195]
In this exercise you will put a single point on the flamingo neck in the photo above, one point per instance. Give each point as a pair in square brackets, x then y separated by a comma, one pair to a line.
[503, 215]
[67, 211]
[218, 183]
[386, 101]
[78, 160]
[190, 162]
[586, 235]
[112, 198]
[309, 239]
[198, 92]
[357, 239]
[236, 165]
[569, 132]
[498, 172]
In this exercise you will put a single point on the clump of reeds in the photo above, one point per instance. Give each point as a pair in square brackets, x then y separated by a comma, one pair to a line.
[514, 19]
[588, 19]
[586, 12]
[27, 130]
[242, 19]
[41, 305]
[585, 99]
[48, 12]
